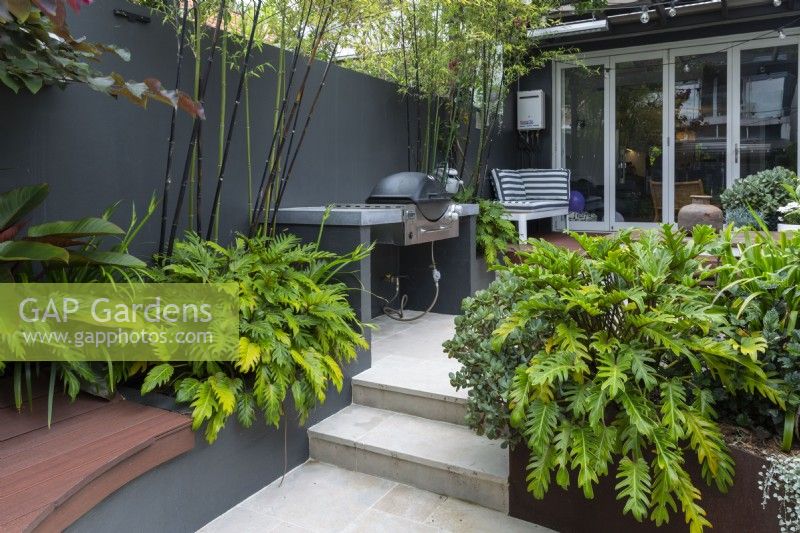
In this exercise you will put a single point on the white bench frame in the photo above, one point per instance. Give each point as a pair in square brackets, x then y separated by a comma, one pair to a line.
[520, 217]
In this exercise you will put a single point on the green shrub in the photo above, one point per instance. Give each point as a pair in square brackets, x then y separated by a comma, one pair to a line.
[486, 373]
[296, 329]
[790, 213]
[742, 217]
[761, 289]
[493, 233]
[764, 192]
[613, 385]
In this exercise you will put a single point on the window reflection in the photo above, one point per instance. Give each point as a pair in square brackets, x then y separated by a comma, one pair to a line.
[639, 118]
[768, 123]
[582, 139]
[701, 126]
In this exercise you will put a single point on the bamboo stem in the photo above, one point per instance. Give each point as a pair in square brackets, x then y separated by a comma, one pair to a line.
[273, 155]
[406, 83]
[199, 184]
[198, 52]
[171, 141]
[193, 139]
[242, 75]
[269, 177]
[309, 117]
[248, 147]
[415, 48]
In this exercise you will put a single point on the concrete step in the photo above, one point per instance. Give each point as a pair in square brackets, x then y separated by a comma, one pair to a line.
[433, 455]
[419, 387]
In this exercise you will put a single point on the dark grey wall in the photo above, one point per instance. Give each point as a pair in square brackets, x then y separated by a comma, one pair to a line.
[95, 151]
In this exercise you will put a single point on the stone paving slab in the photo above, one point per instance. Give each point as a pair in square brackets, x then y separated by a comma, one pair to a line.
[318, 497]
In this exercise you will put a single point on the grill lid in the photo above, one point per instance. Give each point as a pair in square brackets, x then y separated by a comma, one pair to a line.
[413, 187]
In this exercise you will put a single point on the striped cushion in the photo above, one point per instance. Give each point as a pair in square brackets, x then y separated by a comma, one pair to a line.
[528, 205]
[545, 184]
[508, 185]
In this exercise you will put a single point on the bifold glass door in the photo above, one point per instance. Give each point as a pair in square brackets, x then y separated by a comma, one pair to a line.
[700, 130]
[582, 140]
[644, 132]
[768, 110]
[638, 140]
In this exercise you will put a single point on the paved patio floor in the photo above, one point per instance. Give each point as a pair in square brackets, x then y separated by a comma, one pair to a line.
[319, 497]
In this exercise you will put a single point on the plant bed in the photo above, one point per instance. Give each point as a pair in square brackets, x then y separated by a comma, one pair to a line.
[568, 511]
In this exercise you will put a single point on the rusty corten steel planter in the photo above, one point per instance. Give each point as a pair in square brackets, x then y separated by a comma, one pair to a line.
[738, 511]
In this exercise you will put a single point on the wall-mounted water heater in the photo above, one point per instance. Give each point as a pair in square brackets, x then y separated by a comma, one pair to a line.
[530, 110]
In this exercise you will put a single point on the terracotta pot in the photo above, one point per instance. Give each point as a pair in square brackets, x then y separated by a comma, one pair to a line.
[700, 211]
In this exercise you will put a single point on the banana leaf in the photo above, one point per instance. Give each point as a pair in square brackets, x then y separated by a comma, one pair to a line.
[17, 203]
[106, 258]
[31, 251]
[85, 227]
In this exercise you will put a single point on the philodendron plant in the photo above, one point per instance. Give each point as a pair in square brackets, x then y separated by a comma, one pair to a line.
[626, 339]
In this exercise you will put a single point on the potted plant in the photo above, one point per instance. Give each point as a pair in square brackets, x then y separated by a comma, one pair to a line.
[601, 369]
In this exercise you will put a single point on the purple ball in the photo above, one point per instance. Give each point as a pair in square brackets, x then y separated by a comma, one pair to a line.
[576, 202]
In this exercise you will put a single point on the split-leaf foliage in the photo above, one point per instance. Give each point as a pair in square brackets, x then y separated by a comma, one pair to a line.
[627, 343]
[296, 329]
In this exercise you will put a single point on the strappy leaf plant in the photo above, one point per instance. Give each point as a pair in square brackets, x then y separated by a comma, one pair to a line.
[296, 329]
[619, 382]
[72, 251]
[760, 285]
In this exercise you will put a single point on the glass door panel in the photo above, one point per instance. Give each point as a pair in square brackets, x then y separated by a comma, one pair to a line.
[701, 127]
[768, 116]
[582, 136]
[639, 116]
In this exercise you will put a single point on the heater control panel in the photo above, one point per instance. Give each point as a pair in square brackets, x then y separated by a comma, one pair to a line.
[530, 110]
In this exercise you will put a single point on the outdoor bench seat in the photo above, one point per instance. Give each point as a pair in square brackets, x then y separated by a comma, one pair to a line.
[51, 476]
[532, 194]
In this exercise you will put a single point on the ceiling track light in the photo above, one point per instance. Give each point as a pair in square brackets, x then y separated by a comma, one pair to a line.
[671, 11]
[645, 17]
[777, 3]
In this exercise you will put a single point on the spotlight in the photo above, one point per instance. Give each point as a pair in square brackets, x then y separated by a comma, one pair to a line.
[781, 35]
[777, 3]
[671, 11]
[645, 18]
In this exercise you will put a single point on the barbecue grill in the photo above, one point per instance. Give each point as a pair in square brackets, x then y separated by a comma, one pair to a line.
[427, 209]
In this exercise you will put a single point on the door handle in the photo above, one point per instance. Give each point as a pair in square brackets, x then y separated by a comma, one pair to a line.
[736, 153]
